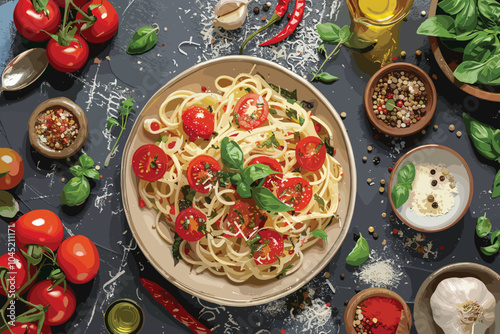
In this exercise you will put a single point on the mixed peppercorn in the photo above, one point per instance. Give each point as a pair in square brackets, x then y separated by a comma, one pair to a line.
[57, 128]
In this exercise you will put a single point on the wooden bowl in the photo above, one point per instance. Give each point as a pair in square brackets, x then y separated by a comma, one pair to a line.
[429, 110]
[405, 323]
[81, 119]
[424, 322]
[449, 60]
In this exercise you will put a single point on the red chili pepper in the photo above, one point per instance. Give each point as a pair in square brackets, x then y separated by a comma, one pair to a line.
[172, 305]
[279, 12]
[298, 14]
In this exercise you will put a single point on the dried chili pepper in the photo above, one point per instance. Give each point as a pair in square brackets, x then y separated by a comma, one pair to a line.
[298, 14]
[172, 305]
[279, 12]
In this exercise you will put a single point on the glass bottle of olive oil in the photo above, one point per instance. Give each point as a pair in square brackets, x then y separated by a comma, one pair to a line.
[124, 316]
[379, 12]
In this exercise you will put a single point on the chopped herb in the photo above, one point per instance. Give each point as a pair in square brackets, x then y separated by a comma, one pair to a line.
[284, 92]
[175, 249]
[242, 220]
[331, 220]
[293, 245]
[207, 165]
[215, 147]
[271, 141]
[283, 272]
[296, 135]
[299, 187]
[188, 194]
[329, 148]
[307, 105]
[301, 121]
[320, 234]
[277, 256]
[273, 111]
[304, 233]
[208, 200]
[253, 247]
[248, 90]
[291, 113]
[223, 178]
[215, 134]
[320, 145]
[211, 109]
[236, 119]
[185, 224]
[203, 229]
[296, 170]
[284, 192]
[320, 201]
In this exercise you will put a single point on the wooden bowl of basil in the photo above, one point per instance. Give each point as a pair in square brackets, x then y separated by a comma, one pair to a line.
[464, 42]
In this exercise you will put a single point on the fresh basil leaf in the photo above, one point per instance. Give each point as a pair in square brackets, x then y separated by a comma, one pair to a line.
[273, 111]
[329, 148]
[92, 173]
[481, 48]
[483, 226]
[86, 161]
[291, 113]
[76, 191]
[224, 178]
[244, 190]
[76, 170]
[8, 205]
[406, 174]
[358, 44]
[495, 142]
[466, 19]
[452, 7]
[291, 96]
[469, 71]
[112, 121]
[390, 105]
[399, 195]
[320, 234]
[360, 253]
[143, 40]
[496, 186]
[256, 172]
[454, 45]
[266, 200]
[470, 35]
[345, 33]
[325, 77]
[438, 26]
[495, 237]
[491, 250]
[232, 155]
[329, 32]
[481, 136]
[489, 11]
[301, 121]
[490, 73]
[320, 201]
[270, 142]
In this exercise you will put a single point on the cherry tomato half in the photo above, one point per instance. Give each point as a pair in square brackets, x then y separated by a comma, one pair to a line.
[188, 224]
[244, 219]
[150, 162]
[106, 23]
[295, 192]
[40, 227]
[198, 122]
[61, 303]
[36, 26]
[252, 111]
[12, 164]
[272, 180]
[310, 153]
[18, 270]
[202, 172]
[270, 246]
[69, 58]
[78, 258]
[24, 328]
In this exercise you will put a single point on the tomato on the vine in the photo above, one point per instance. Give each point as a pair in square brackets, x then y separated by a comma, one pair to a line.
[78, 3]
[36, 26]
[190, 224]
[252, 111]
[17, 266]
[69, 58]
[62, 304]
[78, 258]
[271, 180]
[40, 227]
[11, 167]
[25, 328]
[198, 122]
[150, 162]
[106, 23]
[268, 248]
[295, 192]
[310, 153]
[202, 173]
[244, 219]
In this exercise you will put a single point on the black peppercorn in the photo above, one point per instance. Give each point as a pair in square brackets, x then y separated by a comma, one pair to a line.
[265, 8]
[435, 205]
[376, 160]
[442, 178]
[434, 183]
[433, 171]
[342, 276]
[256, 10]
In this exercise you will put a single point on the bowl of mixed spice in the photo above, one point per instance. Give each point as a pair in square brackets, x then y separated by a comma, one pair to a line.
[58, 128]
[400, 100]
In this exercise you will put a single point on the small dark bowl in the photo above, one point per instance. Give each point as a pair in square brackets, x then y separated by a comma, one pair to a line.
[80, 140]
[429, 109]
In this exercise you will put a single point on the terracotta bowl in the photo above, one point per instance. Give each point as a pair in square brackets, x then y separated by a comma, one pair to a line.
[405, 323]
[429, 110]
[435, 154]
[424, 322]
[449, 60]
[81, 119]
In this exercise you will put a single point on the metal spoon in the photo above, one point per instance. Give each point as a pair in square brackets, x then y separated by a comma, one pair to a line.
[24, 69]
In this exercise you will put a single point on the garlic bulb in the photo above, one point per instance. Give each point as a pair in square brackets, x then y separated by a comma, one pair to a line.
[463, 306]
[231, 14]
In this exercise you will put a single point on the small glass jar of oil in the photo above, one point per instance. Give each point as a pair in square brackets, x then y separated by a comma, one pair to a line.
[124, 316]
[379, 12]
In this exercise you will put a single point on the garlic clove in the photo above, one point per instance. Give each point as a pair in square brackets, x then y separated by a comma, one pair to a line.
[231, 14]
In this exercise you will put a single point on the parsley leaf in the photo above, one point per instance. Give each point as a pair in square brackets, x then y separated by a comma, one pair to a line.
[320, 201]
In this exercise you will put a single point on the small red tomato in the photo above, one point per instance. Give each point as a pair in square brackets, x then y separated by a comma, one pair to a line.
[150, 162]
[271, 180]
[18, 274]
[39, 227]
[24, 328]
[189, 223]
[252, 111]
[78, 258]
[270, 247]
[69, 58]
[11, 168]
[36, 26]
[399, 103]
[198, 122]
[106, 23]
[295, 192]
[202, 173]
[311, 153]
[389, 95]
[244, 219]
[62, 304]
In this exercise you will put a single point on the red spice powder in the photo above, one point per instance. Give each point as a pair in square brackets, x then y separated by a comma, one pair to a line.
[386, 310]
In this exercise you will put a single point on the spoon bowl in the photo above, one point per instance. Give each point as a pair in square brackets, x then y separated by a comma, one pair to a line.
[24, 69]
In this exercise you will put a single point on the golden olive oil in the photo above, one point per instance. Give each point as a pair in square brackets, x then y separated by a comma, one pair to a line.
[124, 316]
[379, 10]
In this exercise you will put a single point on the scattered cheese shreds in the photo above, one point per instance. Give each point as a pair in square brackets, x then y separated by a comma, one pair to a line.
[379, 272]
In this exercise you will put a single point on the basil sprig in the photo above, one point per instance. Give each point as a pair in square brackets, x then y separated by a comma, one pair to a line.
[483, 228]
[401, 191]
[245, 180]
[486, 140]
[144, 39]
[360, 252]
[77, 190]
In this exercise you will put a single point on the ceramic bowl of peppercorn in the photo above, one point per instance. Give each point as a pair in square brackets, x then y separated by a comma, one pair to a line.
[377, 310]
[58, 128]
[400, 100]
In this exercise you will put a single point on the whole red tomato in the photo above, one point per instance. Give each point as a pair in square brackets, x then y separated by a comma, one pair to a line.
[12, 164]
[24, 328]
[36, 26]
[61, 303]
[40, 227]
[78, 258]
[18, 270]
[78, 3]
[106, 23]
[198, 122]
[69, 58]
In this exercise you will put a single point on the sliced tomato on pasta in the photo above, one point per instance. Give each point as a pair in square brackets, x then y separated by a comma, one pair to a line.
[268, 247]
[190, 224]
[244, 219]
[198, 122]
[295, 192]
[310, 153]
[202, 173]
[150, 162]
[271, 180]
[251, 111]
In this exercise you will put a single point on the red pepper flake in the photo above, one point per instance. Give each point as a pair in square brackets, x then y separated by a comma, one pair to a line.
[211, 41]
[390, 169]
[141, 202]
[100, 176]
[282, 331]
[161, 200]
[203, 89]
[394, 58]
[317, 127]
[163, 45]
[172, 210]
[395, 231]
[441, 248]
[186, 251]
[290, 252]
[172, 144]
[328, 304]
[264, 18]
[298, 51]
[376, 137]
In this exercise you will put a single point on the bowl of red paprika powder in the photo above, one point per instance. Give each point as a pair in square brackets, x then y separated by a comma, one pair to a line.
[377, 311]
